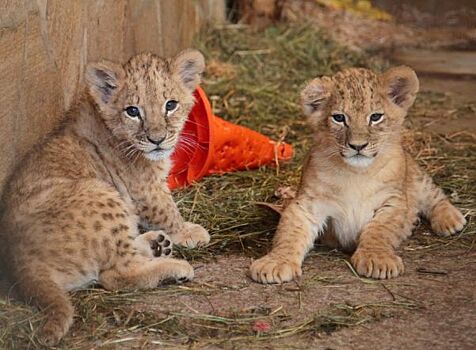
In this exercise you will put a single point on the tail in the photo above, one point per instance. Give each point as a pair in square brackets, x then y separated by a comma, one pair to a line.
[43, 292]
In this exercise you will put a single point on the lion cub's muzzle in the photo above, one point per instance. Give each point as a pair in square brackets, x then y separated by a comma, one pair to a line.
[358, 154]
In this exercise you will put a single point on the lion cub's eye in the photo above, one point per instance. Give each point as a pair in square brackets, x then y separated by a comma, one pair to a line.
[376, 118]
[170, 105]
[132, 112]
[338, 118]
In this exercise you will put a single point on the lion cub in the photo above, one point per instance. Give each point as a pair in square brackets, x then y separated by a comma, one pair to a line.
[358, 186]
[74, 204]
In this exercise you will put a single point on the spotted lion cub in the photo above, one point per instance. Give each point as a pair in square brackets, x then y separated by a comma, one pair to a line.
[74, 205]
[359, 188]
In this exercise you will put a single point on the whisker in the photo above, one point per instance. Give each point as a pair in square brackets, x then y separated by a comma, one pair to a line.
[195, 123]
[192, 142]
[188, 144]
[187, 149]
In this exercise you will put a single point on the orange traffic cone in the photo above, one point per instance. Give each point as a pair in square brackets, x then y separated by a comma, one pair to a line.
[210, 145]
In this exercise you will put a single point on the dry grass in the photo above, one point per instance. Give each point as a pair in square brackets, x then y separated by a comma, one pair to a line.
[107, 319]
[255, 82]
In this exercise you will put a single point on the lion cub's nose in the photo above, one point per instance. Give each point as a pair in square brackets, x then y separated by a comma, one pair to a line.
[156, 142]
[358, 147]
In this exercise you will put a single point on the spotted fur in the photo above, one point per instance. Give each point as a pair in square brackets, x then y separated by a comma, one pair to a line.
[359, 188]
[74, 204]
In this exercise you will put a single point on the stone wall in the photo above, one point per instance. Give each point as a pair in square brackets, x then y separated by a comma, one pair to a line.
[45, 44]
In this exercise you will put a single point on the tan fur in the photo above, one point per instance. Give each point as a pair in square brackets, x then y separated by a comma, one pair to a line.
[74, 204]
[366, 202]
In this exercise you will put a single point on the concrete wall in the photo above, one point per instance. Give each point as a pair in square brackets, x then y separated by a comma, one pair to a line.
[45, 44]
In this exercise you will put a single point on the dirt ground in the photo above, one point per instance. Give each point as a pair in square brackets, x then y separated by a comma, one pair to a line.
[432, 305]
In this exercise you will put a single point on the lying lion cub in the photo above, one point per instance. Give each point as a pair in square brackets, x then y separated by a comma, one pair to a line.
[358, 186]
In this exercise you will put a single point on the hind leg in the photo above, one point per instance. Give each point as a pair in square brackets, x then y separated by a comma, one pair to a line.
[444, 217]
[138, 272]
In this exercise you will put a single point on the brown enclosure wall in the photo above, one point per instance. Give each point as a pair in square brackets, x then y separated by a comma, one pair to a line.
[45, 44]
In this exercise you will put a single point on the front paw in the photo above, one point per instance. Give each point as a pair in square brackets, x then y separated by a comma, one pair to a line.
[447, 220]
[192, 235]
[379, 264]
[274, 269]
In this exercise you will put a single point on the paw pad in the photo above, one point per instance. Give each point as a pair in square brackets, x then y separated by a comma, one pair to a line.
[161, 246]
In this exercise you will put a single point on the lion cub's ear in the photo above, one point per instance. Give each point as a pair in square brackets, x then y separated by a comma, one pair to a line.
[188, 66]
[316, 95]
[400, 85]
[103, 80]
